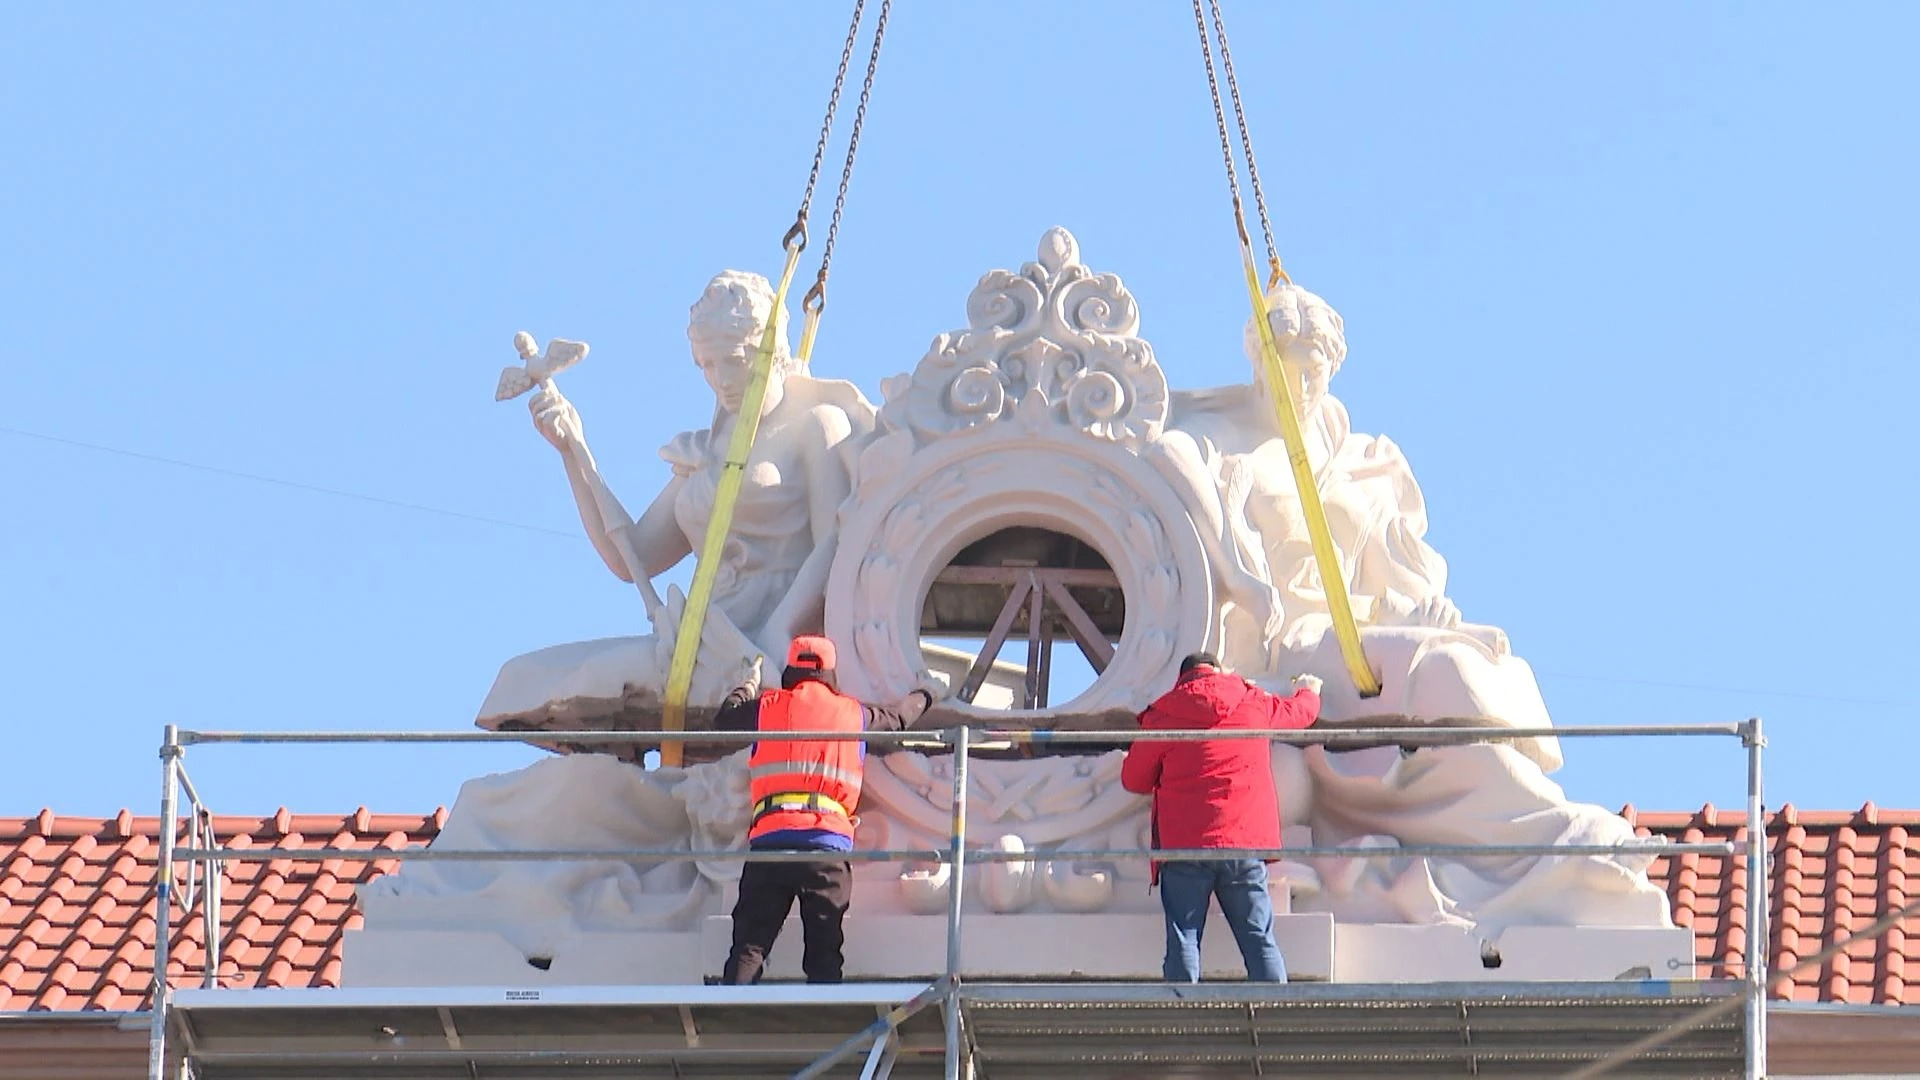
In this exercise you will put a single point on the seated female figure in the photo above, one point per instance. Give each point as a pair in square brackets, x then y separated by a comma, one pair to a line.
[771, 581]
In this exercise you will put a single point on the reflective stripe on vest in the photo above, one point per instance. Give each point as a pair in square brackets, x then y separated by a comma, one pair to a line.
[812, 800]
[801, 775]
[829, 767]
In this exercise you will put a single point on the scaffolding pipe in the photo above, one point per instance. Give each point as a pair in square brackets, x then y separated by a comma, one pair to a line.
[1414, 734]
[928, 738]
[210, 915]
[961, 739]
[1422, 734]
[1438, 851]
[170, 753]
[939, 990]
[1758, 915]
[186, 786]
[956, 893]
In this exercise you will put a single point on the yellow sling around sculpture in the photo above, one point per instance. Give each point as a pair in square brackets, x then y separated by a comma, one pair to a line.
[1326, 558]
[746, 426]
[1332, 578]
[686, 643]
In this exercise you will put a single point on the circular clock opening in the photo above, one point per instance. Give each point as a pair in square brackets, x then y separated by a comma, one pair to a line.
[1022, 619]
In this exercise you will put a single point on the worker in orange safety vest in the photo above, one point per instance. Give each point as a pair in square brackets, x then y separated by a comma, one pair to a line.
[805, 793]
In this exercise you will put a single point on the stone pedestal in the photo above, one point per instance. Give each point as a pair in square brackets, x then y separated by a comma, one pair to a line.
[879, 948]
[1026, 947]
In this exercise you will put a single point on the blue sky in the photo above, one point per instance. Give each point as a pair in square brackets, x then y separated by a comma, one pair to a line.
[1632, 285]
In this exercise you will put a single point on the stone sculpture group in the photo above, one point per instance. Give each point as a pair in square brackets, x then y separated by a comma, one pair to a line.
[1047, 411]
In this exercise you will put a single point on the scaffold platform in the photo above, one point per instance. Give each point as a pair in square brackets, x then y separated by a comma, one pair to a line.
[1080, 1030]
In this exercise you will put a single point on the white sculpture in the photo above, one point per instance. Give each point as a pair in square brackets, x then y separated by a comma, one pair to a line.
[1047, 411]
[1225, 451]
[770, 583]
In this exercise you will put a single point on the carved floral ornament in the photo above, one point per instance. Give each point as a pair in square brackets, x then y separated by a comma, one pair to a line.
[1052, 343]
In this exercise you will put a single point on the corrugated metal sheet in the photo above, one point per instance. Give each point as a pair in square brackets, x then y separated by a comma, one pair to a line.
[1081, 1031]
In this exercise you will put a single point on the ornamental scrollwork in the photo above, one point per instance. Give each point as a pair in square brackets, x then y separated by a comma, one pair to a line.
[1054, 337]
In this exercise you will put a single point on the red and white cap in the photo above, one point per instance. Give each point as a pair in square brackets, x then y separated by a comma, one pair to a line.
[811, 651]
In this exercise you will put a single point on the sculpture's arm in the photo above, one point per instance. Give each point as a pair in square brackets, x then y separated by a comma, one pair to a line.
[829, 481]
[657, 539]
[558, 422]
[657, 536]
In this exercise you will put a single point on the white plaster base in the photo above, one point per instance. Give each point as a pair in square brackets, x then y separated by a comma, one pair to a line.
[881, 947]
[1113, 946]
[484, 958]
[1038, 946]
[1401, 953]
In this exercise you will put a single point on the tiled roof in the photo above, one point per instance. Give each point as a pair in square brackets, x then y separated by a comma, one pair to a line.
[1833, 873]
[76, 901]
[76, 905]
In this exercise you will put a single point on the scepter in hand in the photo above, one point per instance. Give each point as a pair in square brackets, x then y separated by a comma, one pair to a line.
[551, 410]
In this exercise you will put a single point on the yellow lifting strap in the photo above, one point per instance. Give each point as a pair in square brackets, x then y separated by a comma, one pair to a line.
[686, 642]
[1333, 579]
[746, 426]
[1325, 556]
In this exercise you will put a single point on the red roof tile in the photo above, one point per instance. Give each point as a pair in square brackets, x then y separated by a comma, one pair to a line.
[76, 905]
[1833, 873]
[76, 901]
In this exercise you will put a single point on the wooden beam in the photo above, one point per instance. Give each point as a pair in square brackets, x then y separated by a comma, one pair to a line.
[1036, 631]
[1009, 575]
[1046, 671]
[990, 648]
[1093, 644]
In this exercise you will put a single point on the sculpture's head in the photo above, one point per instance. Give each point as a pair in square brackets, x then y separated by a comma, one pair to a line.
[725, 327]
[1312, 340]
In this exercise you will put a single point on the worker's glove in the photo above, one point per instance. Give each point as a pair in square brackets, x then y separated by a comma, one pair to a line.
[1307, 682]
[932, 686]
[752, 681]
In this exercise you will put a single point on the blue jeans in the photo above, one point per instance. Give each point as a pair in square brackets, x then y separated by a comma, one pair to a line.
[1186, 891]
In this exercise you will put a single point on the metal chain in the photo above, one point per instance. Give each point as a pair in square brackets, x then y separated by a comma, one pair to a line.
[1220, 119]
[816, 298]
[826, 128]
[1246, 145]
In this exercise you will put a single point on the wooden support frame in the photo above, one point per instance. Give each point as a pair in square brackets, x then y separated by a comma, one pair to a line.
[1032, 588]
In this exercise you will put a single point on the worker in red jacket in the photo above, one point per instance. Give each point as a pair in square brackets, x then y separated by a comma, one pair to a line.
[1216, 794]
[805, 793]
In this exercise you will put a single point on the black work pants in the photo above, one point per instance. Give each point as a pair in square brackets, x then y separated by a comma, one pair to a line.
[767, 893]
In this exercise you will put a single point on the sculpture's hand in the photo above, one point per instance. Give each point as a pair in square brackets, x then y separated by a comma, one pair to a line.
[1435, 611]
[555, 418]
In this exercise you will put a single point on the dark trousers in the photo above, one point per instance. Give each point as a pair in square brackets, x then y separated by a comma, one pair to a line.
[767, 893]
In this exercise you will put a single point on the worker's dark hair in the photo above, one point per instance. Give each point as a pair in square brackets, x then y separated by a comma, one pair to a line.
[794, 676]
[1199, 659]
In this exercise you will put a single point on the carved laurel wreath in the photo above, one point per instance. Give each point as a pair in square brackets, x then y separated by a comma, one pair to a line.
[906, 527]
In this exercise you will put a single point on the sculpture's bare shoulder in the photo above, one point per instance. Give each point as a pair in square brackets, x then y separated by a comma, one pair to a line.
[1231, 417]
[829, 410]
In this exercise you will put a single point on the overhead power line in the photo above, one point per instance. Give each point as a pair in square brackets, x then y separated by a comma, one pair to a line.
[377, 500]
[461, 515]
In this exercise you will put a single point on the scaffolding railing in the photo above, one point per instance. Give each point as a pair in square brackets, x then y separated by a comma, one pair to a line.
[202, 854]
